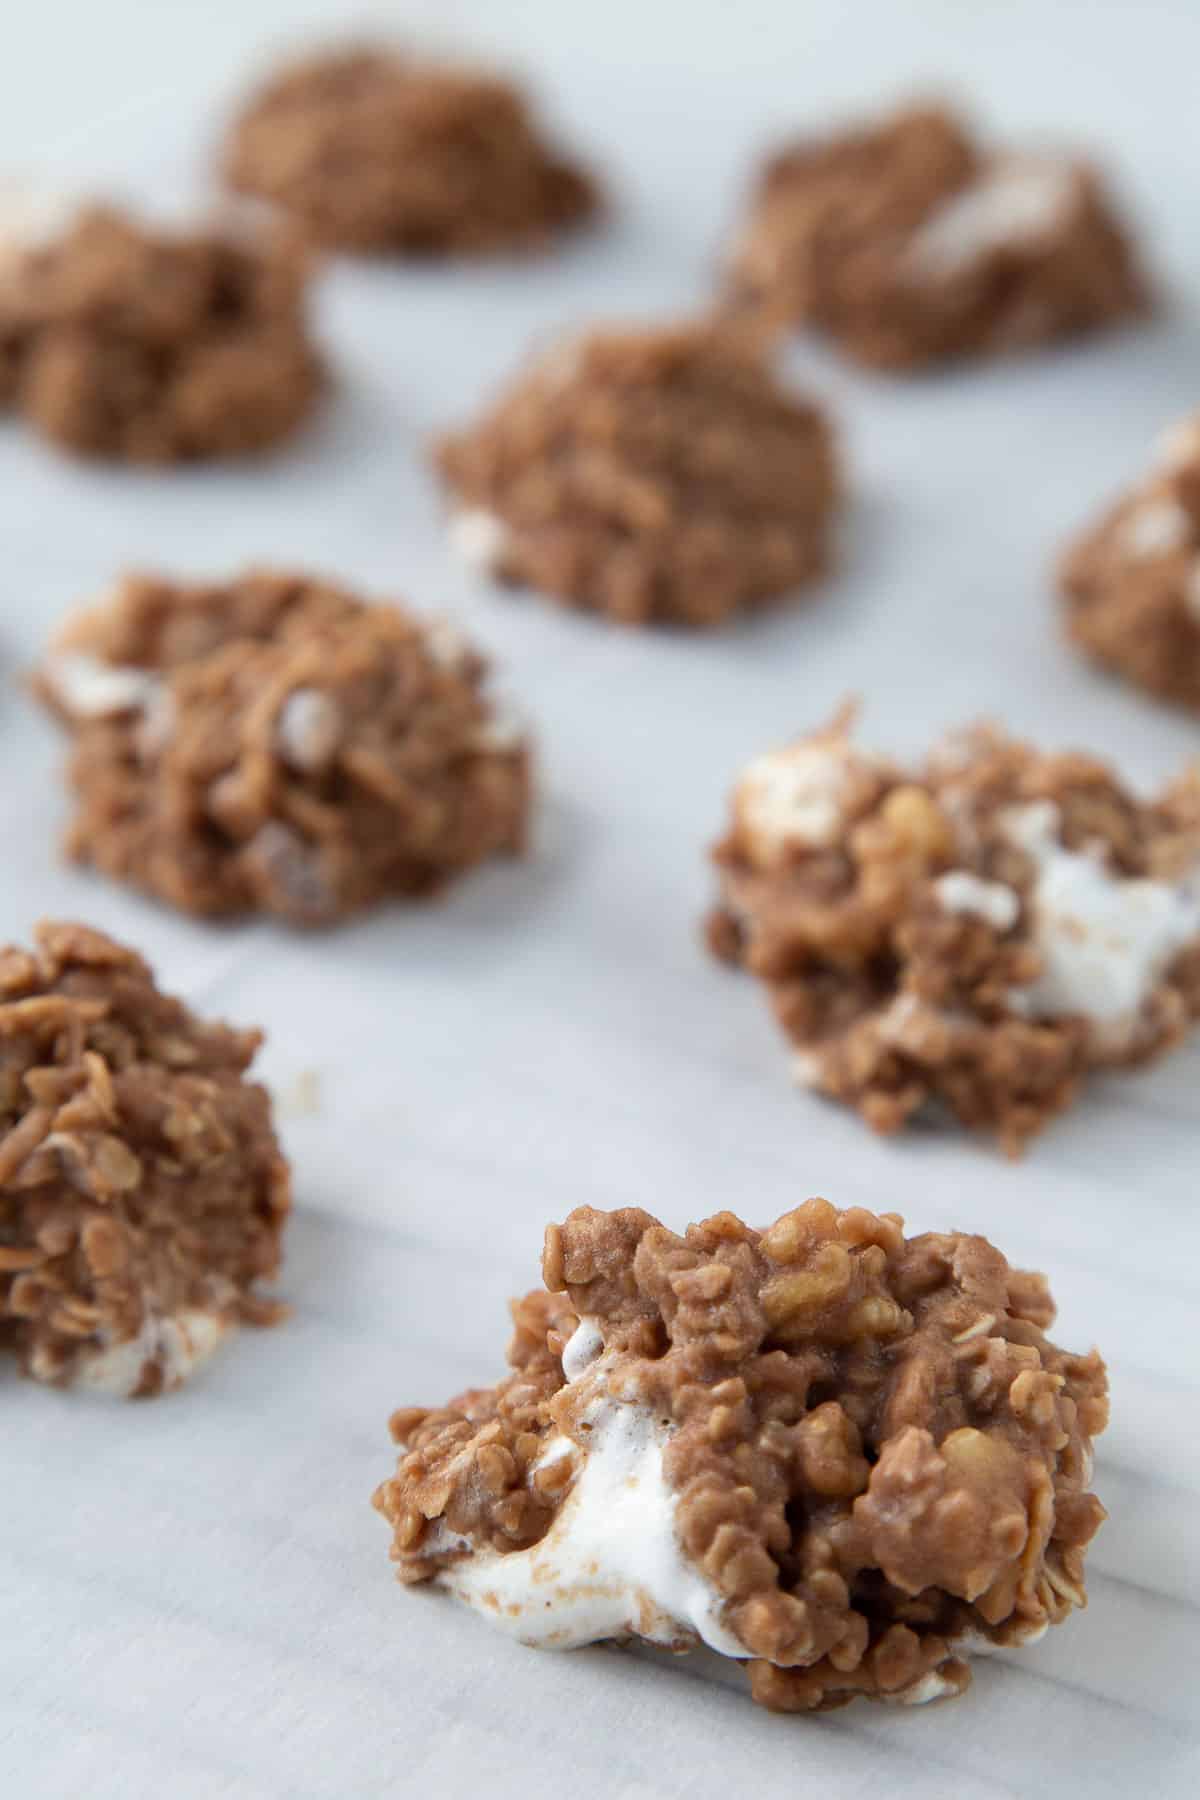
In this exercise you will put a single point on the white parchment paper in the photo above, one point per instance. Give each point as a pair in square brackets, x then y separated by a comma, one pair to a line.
[194, 1594]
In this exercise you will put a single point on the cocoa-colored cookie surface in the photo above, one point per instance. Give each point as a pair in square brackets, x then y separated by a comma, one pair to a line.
[908, 243]
[370, 150]
[657, 475]
[142, 1191]
[972, 936]
[273, 743]
[125, 341]
[838, 1454]
[1131, 583]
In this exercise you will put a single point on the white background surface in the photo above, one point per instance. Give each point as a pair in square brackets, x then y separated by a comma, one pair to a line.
[194, 1594]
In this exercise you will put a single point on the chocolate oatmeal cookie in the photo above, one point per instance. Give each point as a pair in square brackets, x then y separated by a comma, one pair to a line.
[370, 150]
[837, 1454]
[1131, 584]
[274, 744]
[652, 475]
[909, 243]
[143, 1194]
[980, 932]
[144, 345]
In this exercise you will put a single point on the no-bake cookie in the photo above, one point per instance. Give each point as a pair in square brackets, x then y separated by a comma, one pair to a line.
[652, 475]
[127, 341]
[1131, 584]
[273, 743]
[839, 1455]
[142, 1191]
[979, 932]
[371, 150]
[908, 242]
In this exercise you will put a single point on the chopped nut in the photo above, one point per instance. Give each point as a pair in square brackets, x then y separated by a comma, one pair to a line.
[876, 1316]
[917, 824]
[791, 1236]
[790, 1301]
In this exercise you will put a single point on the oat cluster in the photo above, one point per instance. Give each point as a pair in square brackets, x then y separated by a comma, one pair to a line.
[142, 1191]
[877, 1456]
[908, 243]
[653, 475]
[123, 341]
[894, 919]
[372, 151]
[275, 744]
[1131, 583]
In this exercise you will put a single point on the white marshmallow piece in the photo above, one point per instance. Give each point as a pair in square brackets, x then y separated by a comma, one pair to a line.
[1104, 939]
[1016, 202]
[795, 798]
[479, 537]
[309, 730]
[582, 1349]
[31, 218]
[611, 1563]
[1180, 445]
[959, 891]
[87, 688]
[507, 729]
[177, 1342]
[1155, 529]
[446, 644]
[806, 1068]
[932, 1686]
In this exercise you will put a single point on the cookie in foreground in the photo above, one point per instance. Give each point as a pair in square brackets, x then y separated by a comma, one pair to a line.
[368, 149]
[143, 1193]
[1131, 583]
[275, 744]
[655, 475]
[130, 341]
[841, 1456]
[973, 935]
[909, 242]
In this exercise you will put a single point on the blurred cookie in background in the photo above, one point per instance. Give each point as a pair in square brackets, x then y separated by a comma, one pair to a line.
[136, 342]
[1131, 583]
[656, 475]
[370, 150]
[909, 242]
[275, 744]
